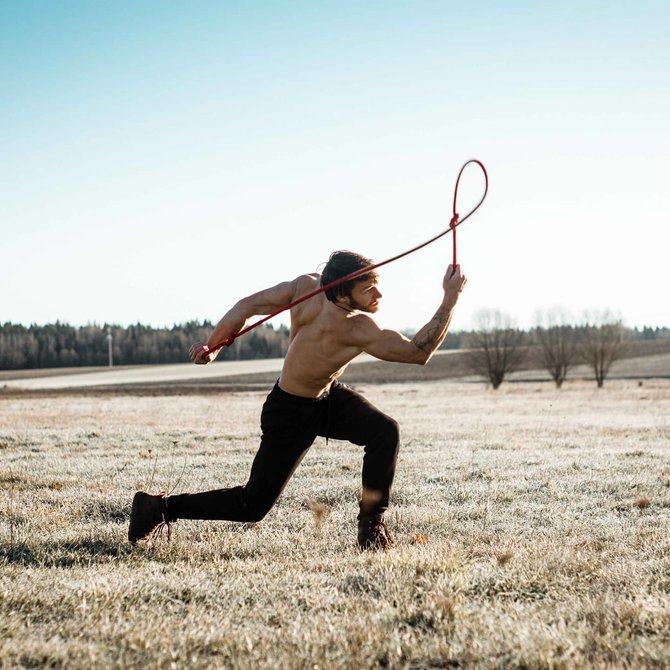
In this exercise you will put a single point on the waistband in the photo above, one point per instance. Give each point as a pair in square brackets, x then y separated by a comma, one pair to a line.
[299, 399]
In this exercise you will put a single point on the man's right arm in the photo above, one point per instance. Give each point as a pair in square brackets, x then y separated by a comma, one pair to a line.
[235, 319]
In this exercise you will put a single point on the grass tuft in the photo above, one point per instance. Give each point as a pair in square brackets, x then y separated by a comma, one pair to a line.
[642, 502]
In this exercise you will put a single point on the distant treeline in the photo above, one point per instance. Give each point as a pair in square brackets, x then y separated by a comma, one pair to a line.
[61, 345]
[648, 333]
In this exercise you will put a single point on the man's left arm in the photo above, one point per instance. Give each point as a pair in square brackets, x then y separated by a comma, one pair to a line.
[390, 345]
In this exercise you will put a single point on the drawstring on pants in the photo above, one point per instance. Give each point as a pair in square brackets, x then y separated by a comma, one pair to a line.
[328, 416]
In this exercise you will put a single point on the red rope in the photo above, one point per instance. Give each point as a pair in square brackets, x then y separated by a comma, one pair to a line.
[453, 224]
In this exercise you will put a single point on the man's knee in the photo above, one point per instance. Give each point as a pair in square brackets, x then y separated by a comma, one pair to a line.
[391, 430]
[257, 510]
[256, 514]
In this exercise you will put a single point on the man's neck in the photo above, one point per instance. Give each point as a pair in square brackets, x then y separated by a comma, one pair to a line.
[346, 309]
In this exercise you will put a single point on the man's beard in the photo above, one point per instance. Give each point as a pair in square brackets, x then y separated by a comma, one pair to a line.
[370, 309]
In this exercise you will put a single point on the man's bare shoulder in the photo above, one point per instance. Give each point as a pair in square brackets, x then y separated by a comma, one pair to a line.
[306, 282]
[363, 328]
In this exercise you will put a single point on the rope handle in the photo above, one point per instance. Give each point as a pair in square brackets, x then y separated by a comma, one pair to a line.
[453, 224]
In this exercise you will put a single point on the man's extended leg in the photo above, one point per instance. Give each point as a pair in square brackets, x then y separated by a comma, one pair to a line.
[289, 426]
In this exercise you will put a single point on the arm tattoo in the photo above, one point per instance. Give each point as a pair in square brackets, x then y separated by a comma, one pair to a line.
[430, 336]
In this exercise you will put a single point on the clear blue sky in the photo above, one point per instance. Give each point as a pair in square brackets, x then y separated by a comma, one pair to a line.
[162, 159]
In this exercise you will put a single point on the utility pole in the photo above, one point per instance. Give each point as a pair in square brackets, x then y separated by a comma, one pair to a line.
[109, 345]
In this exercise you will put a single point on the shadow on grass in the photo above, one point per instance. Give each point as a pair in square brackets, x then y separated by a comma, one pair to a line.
[63, 555]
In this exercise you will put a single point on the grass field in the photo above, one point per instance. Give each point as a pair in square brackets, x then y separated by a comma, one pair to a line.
[532, 531]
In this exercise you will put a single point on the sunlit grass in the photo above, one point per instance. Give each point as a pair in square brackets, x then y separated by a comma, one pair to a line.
[531, 530]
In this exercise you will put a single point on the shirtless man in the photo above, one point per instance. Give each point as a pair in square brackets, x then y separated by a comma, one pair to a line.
[327, 332]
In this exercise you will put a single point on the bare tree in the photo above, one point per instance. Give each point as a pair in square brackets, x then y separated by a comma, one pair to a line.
[495, 346]
[558, 342]
[603, 341]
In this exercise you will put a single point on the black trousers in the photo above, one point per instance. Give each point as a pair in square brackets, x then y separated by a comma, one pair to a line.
[289, 425]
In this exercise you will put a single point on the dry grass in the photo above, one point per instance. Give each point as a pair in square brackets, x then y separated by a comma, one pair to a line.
[531, 526]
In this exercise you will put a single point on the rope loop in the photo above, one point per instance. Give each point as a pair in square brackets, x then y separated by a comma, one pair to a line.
[458, 181]
[454, 219]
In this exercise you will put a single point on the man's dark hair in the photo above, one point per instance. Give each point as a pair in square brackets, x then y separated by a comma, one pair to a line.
[340, 264]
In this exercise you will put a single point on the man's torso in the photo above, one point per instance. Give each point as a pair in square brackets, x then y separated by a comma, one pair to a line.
[321, 344]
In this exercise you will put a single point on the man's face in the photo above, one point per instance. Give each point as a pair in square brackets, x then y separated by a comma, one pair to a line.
[364, 297]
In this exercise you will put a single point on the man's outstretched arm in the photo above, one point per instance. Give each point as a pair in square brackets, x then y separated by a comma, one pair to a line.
[236, 318]
[390, 345]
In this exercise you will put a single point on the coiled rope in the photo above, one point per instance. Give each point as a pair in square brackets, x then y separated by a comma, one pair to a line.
[453, 224]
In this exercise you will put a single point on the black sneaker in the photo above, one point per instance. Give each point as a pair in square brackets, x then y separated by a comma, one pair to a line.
[373, 534]
[148, 517]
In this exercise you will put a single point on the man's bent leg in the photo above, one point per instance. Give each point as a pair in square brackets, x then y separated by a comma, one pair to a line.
[357, 420]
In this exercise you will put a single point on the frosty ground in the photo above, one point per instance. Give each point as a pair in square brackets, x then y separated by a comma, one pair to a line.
[531, 531]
